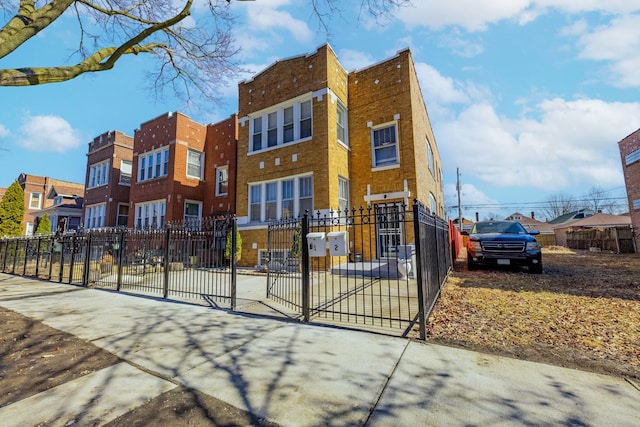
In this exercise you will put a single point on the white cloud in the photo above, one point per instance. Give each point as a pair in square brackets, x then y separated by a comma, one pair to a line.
[265, 15]
[617, 43]
[569, 143]
[477, 15]
[4, 131]
[354, 59]
[48, 133]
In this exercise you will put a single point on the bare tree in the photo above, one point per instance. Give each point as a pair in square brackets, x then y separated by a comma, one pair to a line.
[559, 204]
[189, 55]
[598, 200]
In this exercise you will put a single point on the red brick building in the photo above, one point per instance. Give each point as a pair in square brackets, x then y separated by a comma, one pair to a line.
[630, 156]
[179, 170]
[36, 191]
[108, 180]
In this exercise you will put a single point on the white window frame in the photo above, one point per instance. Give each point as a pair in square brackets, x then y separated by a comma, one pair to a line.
[95, 216]
[343, 193]
[30, 229]
[636, 204]
[632, 157]
[200, 156]
[151, 214]
[99, 174]
[433, 205]
[192, 218]
[396, 144]
[341, 112]
[297, 198]
[259, 138]
[219, 180]
[38, 198]
[148, 166]
[125, 177]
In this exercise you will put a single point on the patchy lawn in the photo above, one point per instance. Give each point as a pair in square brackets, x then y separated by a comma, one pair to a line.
[583, 312]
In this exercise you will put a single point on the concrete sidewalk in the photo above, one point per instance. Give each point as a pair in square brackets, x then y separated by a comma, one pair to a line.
[295, 374]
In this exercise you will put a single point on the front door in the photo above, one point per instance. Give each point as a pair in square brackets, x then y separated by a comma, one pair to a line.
[388, 229]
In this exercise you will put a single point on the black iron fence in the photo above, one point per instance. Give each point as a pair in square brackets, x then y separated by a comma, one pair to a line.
[381, 266]
[183, 260]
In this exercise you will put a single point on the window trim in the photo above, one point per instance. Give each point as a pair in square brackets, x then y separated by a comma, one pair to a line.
[200, 163]
[386, 165]
[191, 217]
[160, 216]
[101, 167]
[278, 202]
[345, 125]
[39, 204]
[632, 157]
[119, 215]
[430, 159]
[146, 164]
[95, 216]
[343, 183]
[262, 117]
[120, 180]
[218, 181]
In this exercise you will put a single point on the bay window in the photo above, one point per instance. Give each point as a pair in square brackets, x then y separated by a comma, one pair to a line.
[154, 164]
[291, 122]
[286, 198]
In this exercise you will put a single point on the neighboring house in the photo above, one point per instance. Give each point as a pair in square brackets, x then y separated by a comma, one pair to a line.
[599, 220]
[530, 223]
[2, 191]
[467, 224]
[182, 170]
[630, 156]
[66, 213]
[108, 180]
[36, 189]
[314, 137]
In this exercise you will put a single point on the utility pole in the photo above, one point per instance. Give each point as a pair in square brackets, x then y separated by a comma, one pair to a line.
[459, 188]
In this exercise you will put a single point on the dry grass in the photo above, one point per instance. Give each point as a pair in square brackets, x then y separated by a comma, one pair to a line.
[582, 312]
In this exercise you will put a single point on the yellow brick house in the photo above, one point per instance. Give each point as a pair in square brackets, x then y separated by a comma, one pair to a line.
[315, 137]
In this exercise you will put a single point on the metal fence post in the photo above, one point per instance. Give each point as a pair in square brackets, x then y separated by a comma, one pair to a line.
[38, 256]
[121, 250]
[165, 285]
[422, 318]
[305, 268]
[73, 258]
[234, 243]
[15, 257]
[87, 261]
[61, 259]
[26, 251]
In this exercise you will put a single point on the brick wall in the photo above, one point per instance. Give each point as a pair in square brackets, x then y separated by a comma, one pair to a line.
[632, 179]
[220, 150]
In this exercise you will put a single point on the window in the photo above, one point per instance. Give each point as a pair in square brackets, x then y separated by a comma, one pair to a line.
[192, 212]
[284, 125]
[305, 119]
[123, 215]
[35, 201]
[271, 201]
[150, 164]
[266, 202]
[430, 157]
[222, 181]
[272, 130]
[306, 195]
[30, 230]
[341, 123]
[343, 194]
[636, 204]
[287, 199]
[287, 129]
[257, 134]
[385, 147]
[99, 174]
[125, 172]
[57, 200]
[634, 156]
[194, 164]
[94, 216]
[150, 214]
[255, 196]
[432, 203]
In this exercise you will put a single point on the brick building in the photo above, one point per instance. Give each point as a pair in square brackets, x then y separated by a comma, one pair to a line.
[630, 156]
[37, 190]
[314, 137]
[182, 170]
[108, 180]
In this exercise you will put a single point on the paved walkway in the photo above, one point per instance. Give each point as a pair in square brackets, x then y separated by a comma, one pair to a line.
[295, 374]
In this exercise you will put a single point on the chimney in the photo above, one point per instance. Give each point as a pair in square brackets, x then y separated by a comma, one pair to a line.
[477, 217]
[533, 215]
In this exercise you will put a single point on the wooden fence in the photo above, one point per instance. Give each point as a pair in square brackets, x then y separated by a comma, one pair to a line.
[615, 239]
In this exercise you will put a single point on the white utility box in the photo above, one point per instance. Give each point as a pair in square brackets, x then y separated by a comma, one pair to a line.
[338, 243]
[317, 244]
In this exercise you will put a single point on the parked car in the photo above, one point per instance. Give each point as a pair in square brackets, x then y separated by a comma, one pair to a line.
[503, 243]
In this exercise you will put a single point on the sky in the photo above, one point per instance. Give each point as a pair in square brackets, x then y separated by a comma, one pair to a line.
[527, 98]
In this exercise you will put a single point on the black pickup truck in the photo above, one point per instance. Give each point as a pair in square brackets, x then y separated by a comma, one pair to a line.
[503, 243]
